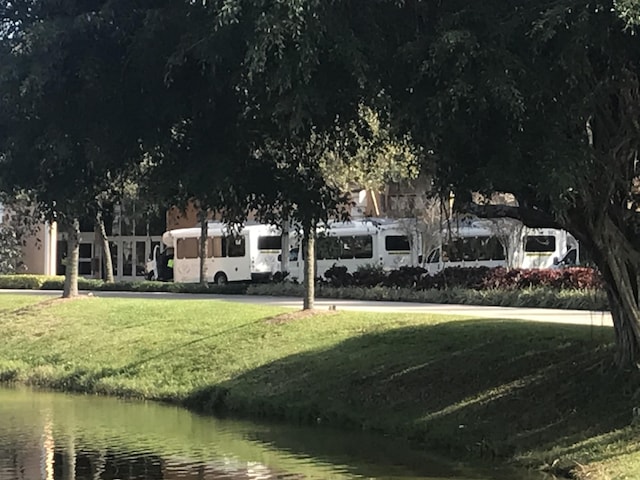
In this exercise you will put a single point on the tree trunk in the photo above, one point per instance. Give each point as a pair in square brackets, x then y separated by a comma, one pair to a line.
[106, 248]
[619, 264]
[628, 347]
[73, 254]
[69, 460]
[309, 244]
[284, 256]
[204, 232]
[620, 275]
[614, 253]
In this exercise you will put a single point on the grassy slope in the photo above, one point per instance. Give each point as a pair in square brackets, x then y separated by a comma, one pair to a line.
[538, 392]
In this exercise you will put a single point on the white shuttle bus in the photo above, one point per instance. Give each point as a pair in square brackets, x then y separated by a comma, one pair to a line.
[359, 243]
[265, 247]
[483, 243]
[546, 248]
[228, 258]
[467, 245]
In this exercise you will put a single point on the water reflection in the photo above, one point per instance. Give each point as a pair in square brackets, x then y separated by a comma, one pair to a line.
[46, 436]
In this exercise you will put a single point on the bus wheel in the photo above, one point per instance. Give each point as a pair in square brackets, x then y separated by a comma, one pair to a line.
[220, 278]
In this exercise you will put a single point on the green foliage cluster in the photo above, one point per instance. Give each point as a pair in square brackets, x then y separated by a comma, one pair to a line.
[10, 249]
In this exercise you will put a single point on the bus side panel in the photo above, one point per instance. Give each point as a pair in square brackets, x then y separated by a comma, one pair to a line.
[186, 270]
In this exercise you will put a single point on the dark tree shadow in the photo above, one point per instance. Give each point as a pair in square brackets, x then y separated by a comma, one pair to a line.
[488, 387]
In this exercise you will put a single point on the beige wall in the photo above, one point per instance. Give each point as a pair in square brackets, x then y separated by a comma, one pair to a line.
[176, 218]
[40, 251]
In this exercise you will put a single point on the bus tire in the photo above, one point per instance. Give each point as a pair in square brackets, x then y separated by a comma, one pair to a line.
[220, 278]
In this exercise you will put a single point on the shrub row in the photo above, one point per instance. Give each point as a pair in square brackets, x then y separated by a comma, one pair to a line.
[42, 282]
[471, 290]
[480, 278]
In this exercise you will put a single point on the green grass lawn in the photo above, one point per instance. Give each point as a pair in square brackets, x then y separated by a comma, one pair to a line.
[543, 394]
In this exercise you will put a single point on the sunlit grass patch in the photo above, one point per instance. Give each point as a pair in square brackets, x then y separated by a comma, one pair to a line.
[10, 302]
[500, 388]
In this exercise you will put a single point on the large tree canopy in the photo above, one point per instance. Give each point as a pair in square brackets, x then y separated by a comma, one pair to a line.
[538, 100]
[542, 102]
[71, 114]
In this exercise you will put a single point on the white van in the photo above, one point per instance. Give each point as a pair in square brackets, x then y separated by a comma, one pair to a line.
[467, 245]
[228, 258]
[481, 243]
[265, 247]
[545, 248]
[371, 242]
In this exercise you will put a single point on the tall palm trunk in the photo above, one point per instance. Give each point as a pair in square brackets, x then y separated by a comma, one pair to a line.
[73, 255]
[309, 245]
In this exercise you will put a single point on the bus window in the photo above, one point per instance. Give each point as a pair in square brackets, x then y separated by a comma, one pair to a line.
[328, 248]
[487, 249]
[434, 256]
[210, 247]
[187, 248]
[216, 248]
[540, 243]
[234, 246]
[358, 246]
[495, 250]
[471, 249]
[270, 242]
[397, 243]
[453, 251]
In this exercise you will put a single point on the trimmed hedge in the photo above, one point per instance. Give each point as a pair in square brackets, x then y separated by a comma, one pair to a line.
[27, 282]
[42, 282]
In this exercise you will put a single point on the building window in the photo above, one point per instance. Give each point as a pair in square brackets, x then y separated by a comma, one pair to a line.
[140, 258]
[127, 259]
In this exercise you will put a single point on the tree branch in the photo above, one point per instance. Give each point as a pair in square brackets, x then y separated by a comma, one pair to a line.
[531, 217]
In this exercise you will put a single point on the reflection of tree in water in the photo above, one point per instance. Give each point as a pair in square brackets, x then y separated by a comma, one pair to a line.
[106, 465]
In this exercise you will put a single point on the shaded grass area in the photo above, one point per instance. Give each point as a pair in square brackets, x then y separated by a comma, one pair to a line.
[544, 394]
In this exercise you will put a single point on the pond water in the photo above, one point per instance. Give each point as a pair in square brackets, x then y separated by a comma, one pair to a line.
[51, 436]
